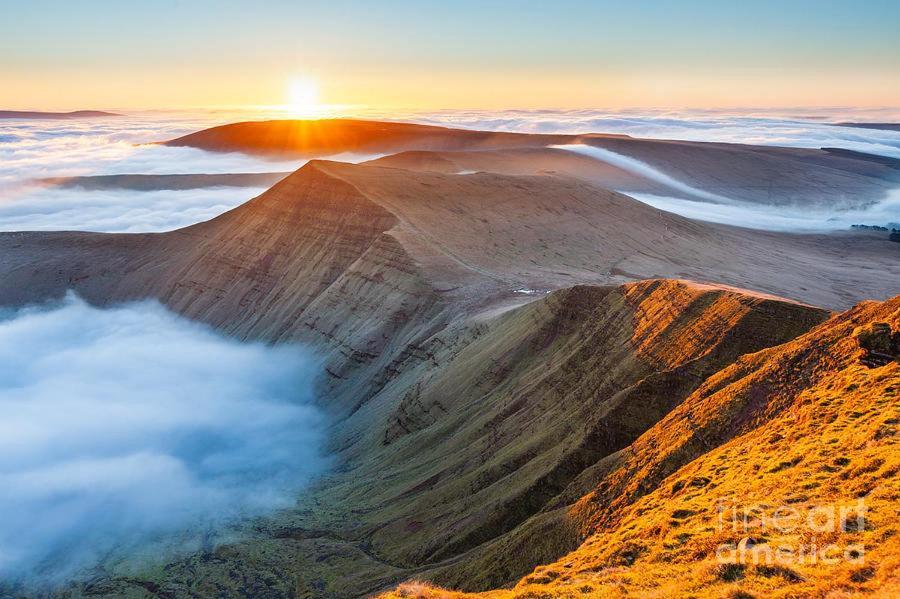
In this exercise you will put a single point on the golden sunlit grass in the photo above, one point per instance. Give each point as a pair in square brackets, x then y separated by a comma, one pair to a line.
[787, 453]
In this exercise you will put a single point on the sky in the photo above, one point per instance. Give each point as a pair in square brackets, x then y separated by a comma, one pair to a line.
[61, 55]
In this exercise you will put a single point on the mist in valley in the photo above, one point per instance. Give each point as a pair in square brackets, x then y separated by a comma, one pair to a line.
[132, 431]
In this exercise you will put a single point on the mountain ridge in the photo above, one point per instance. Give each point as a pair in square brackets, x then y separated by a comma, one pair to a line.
[75, 114]
[491, 345]
[650, 518]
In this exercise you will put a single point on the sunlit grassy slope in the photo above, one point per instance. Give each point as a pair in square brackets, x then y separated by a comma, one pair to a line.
[776, 478]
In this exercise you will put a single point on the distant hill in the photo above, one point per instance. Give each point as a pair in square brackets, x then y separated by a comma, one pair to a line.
[884, 126]
[136, 182]
[759, 174]
[332, 136]
[76, 114]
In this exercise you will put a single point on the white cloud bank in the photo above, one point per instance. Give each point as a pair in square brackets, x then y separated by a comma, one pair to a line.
[32, 149]
[885, 213]
[118, 210]
[719, 209]
[35, 149]
[642, 169]
[802, 128]
[131, 427]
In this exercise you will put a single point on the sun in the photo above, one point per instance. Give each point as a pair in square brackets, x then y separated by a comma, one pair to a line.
[303, 96]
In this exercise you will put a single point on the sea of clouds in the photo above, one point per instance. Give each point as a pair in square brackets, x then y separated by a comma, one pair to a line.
[719, 209]
[35, 149]
[885, 213]
[119, 210]
[132, 431]
[802, 128]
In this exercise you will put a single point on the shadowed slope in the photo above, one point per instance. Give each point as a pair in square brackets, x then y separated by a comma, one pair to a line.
[154, 182]
[222, 271]
[309, 259]
[497, 422]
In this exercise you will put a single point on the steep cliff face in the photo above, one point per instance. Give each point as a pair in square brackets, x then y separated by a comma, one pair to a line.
[224, 271]
[471, 444]
[533, 403]
[781, 455]
[308, 226]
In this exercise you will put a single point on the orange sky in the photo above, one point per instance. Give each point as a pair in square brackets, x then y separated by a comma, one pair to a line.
[174, 89]
[495, 54]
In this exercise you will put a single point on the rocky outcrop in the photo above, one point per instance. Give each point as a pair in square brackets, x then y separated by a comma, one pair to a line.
[879, 343]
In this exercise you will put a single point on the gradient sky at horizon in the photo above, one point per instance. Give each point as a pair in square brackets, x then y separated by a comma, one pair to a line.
[57, 55]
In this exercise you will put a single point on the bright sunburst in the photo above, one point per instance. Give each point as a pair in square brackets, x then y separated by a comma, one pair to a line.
[303, 96]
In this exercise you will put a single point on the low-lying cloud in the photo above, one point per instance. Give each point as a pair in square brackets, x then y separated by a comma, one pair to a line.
[36, 149]
[130, 428]
[118, 210]
[642, 169]
[31, 150]
[705, 206]
[885, 213]
[802, 128]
